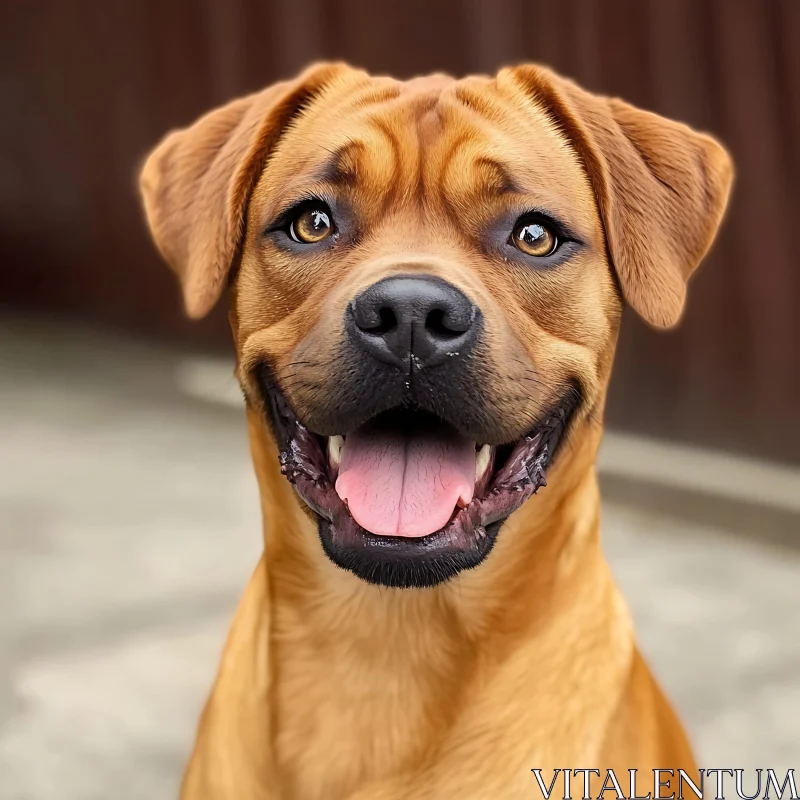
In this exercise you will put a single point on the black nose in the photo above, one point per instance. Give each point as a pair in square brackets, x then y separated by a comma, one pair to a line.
[414, 317]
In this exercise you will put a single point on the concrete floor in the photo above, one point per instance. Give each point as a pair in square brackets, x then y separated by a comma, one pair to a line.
[129, 525]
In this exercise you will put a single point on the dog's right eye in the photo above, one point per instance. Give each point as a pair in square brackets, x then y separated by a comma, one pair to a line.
[534, 238]
[312, 224]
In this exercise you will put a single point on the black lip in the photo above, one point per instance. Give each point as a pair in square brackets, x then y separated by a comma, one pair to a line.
[405, 563]
[425, 561]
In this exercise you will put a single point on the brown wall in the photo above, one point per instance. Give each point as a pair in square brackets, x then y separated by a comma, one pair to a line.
[87, 87]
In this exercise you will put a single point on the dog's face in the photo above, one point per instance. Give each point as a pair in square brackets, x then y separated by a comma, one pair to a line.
[428, 281]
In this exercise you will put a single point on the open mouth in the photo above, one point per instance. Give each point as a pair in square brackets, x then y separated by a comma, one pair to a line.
[406, 499]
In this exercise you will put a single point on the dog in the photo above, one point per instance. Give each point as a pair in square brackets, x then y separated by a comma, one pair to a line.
[426, 279]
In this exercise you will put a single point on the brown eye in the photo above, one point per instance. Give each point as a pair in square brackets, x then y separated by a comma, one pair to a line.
[534, 239]
[312, 224]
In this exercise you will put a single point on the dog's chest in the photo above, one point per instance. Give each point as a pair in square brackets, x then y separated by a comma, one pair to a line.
[349, 712]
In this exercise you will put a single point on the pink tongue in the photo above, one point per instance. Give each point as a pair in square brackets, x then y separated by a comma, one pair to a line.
[405, 483]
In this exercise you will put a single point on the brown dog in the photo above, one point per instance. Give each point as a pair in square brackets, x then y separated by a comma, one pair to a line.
[426, 285]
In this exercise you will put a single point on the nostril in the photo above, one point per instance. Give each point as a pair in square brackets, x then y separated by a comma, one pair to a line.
[385, 321]
[442, 325]
[388, 320]
[436, 324]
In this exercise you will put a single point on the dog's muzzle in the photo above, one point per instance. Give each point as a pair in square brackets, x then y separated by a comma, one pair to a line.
[409, 480]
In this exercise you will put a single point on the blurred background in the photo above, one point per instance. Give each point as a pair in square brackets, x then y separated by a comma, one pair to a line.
[128, 513]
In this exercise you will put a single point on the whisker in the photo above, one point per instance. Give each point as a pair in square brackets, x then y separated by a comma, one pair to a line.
[314, 387]
[294, 364]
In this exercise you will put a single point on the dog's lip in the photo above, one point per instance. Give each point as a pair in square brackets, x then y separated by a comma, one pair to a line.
[303, 459]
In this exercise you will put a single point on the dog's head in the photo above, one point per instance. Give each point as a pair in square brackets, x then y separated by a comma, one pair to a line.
[428, 278]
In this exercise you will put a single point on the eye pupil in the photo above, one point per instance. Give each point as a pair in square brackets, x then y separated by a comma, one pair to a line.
[534, 239]
[312, 224]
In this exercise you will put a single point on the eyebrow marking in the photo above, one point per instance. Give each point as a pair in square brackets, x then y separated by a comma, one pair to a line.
[341, 167]
[496, 178]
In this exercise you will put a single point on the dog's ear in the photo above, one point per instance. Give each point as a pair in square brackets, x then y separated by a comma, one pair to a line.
[661, 188]
[197, 181]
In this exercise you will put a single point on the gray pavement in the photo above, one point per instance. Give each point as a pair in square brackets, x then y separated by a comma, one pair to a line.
[129, 525]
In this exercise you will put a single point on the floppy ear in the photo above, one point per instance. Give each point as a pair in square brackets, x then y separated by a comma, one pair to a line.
[661, 187]
[197, 181]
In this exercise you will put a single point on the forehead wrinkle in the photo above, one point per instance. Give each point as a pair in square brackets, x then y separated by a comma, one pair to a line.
[376, 91]
[470, 127]
[391, 170]
[355, 149]
[513, 115]
[428, 129]
[473, 99]
[411, 126]
[439, 167]
[471, 168]
[515, 181]
[541, 161]
[336, 107]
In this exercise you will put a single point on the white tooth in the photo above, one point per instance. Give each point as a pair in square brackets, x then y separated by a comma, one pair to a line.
[482, 461]
[335, 449]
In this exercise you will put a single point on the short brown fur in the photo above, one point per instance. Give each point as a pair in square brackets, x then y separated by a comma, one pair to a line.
[331, 688]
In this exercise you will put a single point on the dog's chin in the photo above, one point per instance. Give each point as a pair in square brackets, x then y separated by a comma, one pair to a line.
[505, 477]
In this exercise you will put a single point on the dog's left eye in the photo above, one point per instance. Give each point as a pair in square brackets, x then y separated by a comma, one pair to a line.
[312, 224]
[534, 238]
